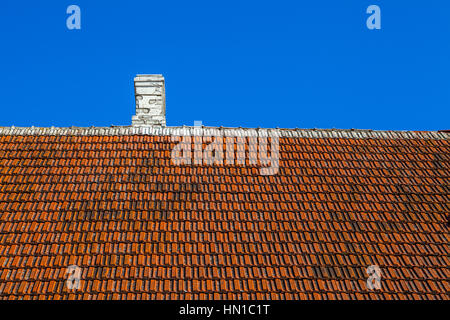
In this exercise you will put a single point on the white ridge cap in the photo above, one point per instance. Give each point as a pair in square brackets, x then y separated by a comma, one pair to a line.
[191, 130]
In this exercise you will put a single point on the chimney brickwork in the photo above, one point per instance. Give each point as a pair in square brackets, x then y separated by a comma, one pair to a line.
[150, 100]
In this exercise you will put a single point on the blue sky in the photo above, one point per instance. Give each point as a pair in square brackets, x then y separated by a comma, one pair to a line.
[287, 64]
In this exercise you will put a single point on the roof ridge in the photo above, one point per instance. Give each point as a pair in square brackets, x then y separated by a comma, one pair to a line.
[231, 131]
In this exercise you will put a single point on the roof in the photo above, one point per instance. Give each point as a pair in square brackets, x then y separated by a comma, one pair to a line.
[202, 130]
[111, 201]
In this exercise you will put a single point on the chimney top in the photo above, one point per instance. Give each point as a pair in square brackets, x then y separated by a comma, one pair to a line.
[150, 97]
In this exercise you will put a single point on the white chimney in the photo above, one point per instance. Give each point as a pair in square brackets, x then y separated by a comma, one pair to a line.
[150, 97]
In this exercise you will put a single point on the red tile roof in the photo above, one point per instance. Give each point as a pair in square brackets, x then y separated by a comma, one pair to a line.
[111, 202]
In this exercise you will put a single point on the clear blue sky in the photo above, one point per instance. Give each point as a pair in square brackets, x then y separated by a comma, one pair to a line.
[242, 63]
